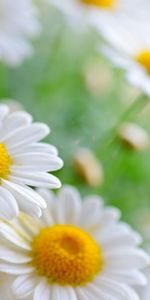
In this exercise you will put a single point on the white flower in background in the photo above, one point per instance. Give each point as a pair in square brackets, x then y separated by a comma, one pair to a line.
[76, 251]
[97, 11]
[18, 23]
[129, 48]
[133, 136]
[24, 161]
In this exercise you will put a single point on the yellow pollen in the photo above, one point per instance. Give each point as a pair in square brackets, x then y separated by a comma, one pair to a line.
[143, 59]
[66, 255]
[5, 162]
[103, 4]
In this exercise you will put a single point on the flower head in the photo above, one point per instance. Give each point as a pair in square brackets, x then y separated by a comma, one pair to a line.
[128, 47]
[95, 12]
[77, 250]
[18, 23]
[24, 161]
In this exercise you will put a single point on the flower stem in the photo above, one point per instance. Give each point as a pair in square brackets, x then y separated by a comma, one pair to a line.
[128, 115]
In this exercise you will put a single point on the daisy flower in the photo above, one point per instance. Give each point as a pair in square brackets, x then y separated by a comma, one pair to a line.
[129, 48]
[97, 11]
[76, 251]
[18, 22]
[24, 161]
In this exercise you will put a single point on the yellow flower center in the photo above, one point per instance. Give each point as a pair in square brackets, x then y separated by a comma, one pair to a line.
[104, 4]
[5, 162]
[66, 255]
[143, 59]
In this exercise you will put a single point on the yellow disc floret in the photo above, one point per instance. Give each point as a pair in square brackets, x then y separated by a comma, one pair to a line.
[143, 59]
[5, 162]
[66, 255]
[104, 4]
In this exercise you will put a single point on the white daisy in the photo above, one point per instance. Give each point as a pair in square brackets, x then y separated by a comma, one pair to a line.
[97, 11]
[129, 48]
[76, 251]
[24, 161]
[18, 22]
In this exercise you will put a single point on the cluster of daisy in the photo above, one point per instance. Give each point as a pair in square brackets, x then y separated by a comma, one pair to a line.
[124, 25]
[60, 246]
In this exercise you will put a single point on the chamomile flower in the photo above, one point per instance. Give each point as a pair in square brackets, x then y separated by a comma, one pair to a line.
[76, 251]
[24, 161]
[18, 23]
[129, 48]
[96, 11]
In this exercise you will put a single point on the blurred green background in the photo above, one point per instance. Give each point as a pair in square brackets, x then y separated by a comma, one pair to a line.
[68, 85]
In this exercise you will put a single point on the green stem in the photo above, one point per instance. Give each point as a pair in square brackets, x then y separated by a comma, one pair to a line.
[134, 108]
[128, 115]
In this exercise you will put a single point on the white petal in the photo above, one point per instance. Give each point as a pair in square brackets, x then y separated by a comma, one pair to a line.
[116, 290]
[65, 293]
[127, 258]
[11, 235]
[37, 147]
[12, 256]
[68, 206]
[35, 179]
[27, 194]
[31, 225]
[87, 294]
[97, 292]
[38, 161]
[131, 278]
[107, 234]
[8, 204]
[120, 238]
[30, 134]
[48, 196]
[95, 198]
[15, 269]
[23, 286]
[29, 208]
[81, 295]
[109, 216]
[48, 214]
[3, 111]
[91, 213]
[13, 122]
[42, 291]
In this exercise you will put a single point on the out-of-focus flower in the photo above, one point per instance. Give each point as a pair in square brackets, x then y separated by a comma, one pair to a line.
[134, 136]
[95, 12]
[18, 23]
[77, 250]
[88, 167]
[129, 48]
[24, 161]
[97, 77]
